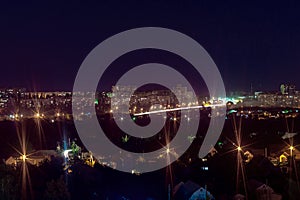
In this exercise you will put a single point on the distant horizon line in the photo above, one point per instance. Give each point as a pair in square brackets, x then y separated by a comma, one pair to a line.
[71, 91]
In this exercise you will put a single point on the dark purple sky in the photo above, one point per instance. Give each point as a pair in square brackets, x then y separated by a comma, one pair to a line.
[44, 44]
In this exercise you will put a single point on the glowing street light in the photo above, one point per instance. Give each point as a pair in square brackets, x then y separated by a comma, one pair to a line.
[291, 150]
[23, 157]
[168, 151]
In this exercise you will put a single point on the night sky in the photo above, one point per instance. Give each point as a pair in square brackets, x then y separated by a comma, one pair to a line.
[44, 44]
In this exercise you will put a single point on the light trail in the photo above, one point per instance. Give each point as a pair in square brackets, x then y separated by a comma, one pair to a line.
[176, 109]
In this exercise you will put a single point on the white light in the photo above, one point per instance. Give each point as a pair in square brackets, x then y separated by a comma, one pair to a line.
[66, 153]
[168, 150]
[205, 168]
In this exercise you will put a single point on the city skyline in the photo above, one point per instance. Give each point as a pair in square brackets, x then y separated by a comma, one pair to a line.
[150, 100]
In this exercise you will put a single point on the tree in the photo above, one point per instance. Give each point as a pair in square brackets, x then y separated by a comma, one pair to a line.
[57, 190]
[8, 183]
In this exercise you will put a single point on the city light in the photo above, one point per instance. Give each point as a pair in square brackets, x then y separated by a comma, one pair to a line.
[177, 109]
[66, 153]
[150, 100]
[291, 148]
[234, 114]
[168, 151]
[24, 157]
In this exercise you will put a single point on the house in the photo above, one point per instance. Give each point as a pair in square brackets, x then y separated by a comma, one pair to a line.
[34, 158]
